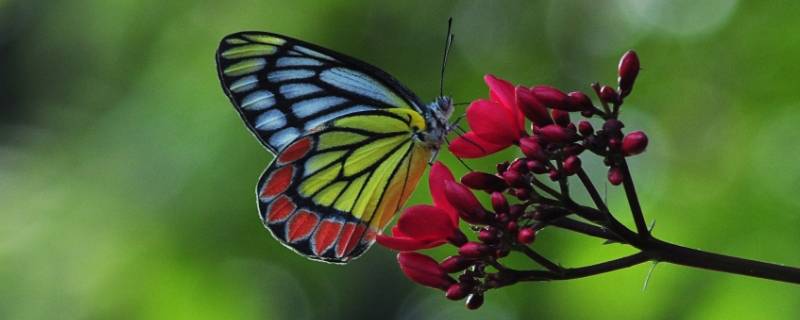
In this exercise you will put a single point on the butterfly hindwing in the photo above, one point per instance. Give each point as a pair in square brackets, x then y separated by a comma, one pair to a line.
[283, 87]
[329, 192]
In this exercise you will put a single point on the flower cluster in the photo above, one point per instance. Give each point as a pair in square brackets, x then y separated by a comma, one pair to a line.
[521, 204]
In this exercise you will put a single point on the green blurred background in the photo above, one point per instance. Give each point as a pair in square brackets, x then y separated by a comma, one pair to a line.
[126, 177]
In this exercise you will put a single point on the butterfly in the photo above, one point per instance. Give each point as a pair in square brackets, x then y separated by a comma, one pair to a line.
[350, 141]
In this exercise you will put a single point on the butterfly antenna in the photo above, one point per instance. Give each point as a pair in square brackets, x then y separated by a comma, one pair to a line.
[460, 132]
[448, 42]
[457, 104]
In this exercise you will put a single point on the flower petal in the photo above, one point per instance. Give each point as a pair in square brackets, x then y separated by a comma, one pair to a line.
[405, 243]
[470, 146]
[492, 122]
[424, 222]
[504, 92]
[436, 183]
[424, 270]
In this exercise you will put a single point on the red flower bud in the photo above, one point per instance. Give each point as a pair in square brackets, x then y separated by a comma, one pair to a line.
[457, 238]
[537, 167]
[453, 264]
[615, 175]
[613, 125]
[483, 181]
[465, 203]
[487, 236]
[614, 144]
[474, 301]
[555, 134]
[532, 107]
[580, 101]
[634, 143]
[526, 235]
[608, 94]
[511, 226]
[560, 117]
[499, 202]
[552, 98]
[628, 69]
[522, 193]
[531, 148]
[424, 270]
[473, 250]
[456, 291]
[585, 128]
[572, 164]
[513, 178]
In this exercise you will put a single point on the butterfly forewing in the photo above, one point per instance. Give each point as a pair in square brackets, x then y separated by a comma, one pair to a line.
[329, 192]
[283, 87]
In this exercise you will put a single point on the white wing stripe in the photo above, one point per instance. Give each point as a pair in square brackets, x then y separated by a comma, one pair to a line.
[258, 100]
[294, 62]
[271, 120]
[283, 75]
[308, 107]
[359, 83]
[294, 90]
[244, 84]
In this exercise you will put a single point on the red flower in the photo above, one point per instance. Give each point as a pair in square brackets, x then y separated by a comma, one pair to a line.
[496, 123]
[424, 226]
[424, 270]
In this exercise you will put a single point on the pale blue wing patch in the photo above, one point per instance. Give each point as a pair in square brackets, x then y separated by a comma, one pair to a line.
[244, 84]
[292, 74]
[294, 90]
[280, 139]
[315, 122]
[271, 120]
[361, 84]
[297, 62]
[258, 100]
[308, 107]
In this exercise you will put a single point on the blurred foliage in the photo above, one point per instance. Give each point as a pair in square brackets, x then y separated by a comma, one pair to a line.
[126, 178]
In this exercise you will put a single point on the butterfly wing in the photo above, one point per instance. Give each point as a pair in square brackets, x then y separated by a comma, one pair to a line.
[329, 192]
[283, 87]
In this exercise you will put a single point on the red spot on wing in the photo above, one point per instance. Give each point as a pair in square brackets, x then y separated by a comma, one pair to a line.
[295, 151]
[347, 233]
[325, 236]
[348, 242]
[301, 225]
[280, 209]
[277, 182]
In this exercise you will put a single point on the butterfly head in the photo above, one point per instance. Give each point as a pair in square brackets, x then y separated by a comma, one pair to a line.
[437, 122]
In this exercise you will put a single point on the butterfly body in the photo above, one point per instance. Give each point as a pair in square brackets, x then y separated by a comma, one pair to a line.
[350, 141]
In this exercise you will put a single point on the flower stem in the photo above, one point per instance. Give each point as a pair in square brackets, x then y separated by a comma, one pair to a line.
[667, 252]
[633, 200]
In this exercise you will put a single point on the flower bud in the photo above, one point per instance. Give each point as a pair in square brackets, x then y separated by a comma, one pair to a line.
[517, 210]
[585, 128]
[530, 148]
[608, 94]
[474, 301]
[512, 226]
[483, 181]
[513, 178]
[553, 175]
[531, 107]
[580, 101]
[573, 149]
[464, 202]
[560, 117]
[519, 165]
[613, 126]
[555, 134]
[537, 167]
[634, 143]
[572, 164]
[487, 236]
[526, 235]
[456, 291]
[615, 175]
[552, 98]
[522, 193]
[499, 202]
[424, 270]
[614, 144]
[628, 69]
[453, 264]
[473, 250]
